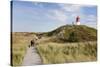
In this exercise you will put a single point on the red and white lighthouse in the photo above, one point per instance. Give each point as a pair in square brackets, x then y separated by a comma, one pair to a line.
[77, 20]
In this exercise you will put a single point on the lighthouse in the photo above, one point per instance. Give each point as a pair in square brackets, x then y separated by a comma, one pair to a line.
[77, 20]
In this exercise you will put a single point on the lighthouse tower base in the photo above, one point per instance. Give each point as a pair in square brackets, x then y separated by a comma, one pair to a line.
[77, 23]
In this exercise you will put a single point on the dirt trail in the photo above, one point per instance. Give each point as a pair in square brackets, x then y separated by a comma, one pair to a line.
[31, 57]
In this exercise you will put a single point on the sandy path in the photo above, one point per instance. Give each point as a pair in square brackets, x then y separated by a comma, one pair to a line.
[31, 57]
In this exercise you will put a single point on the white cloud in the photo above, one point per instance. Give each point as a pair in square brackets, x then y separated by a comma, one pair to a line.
[64, 13]
[67, 14]
[57, 15]
[70, 8]
[77, 10]
[39, 4]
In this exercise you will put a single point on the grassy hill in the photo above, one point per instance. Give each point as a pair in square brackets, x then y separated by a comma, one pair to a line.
[73, 33]
[69, 43]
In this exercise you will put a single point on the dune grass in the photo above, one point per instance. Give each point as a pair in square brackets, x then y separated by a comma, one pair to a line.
[52, 53]
[20, 41]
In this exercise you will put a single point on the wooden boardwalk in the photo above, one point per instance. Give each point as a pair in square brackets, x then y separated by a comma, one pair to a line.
[31, 57]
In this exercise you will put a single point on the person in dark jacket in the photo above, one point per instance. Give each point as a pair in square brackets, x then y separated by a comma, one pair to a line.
[33, 42]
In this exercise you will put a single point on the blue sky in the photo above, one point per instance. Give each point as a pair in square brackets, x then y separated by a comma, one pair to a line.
[44, 17]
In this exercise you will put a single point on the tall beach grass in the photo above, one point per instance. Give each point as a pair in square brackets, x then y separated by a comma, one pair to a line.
[52, 53]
